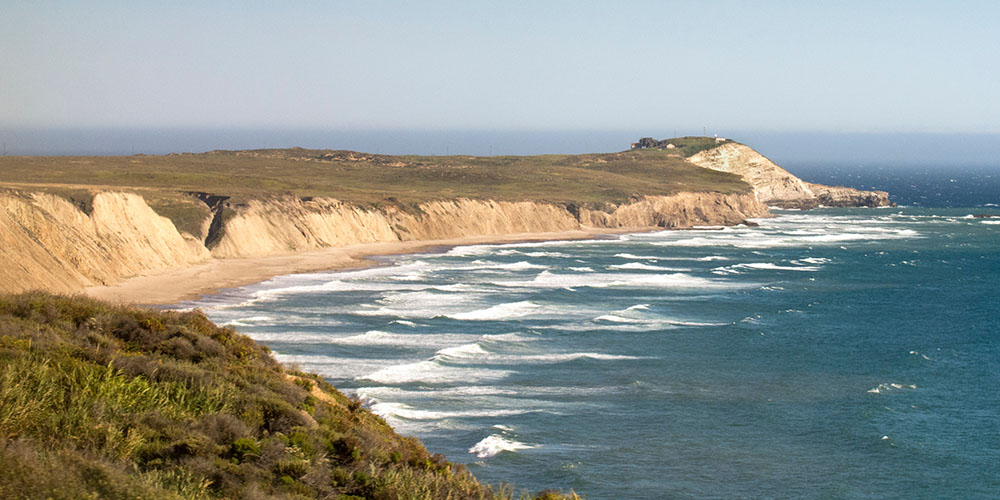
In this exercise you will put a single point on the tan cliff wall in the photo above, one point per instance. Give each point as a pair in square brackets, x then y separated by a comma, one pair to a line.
[288, 225]
[679, 211]
[776, 186]
[48, 243]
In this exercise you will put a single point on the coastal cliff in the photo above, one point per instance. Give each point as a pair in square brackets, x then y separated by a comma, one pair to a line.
[284, 225]
[776, 186]
[49, 243]
[179, 211]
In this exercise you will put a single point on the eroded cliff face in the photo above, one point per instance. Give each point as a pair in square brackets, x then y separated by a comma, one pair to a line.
[776, 186]
[678, 211]
[48, 243]
[288, 225]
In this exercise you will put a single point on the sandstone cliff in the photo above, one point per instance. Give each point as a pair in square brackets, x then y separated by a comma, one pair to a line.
[48, 243]
[287, 225]
[775, 186]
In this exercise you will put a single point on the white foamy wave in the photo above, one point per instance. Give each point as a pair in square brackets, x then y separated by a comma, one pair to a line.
[883, 388]
[250, 321]
[396, 393]
[463, 351]
[376, 337]
[614, 318]
[332, 286]
[774, 267]
[403, 322]
[296, 337]
[474, 250]
[636, 257]
[985, 221]
[582, 269]
[811, 260]
[507, 337]
[631, 324]
[638, 266]
[476, 354]
[419, 304]
[432, 372]
[816, 234]
[489, 265]
[548, 279]
[499, 312]
[401, 410]
[546, 254]
[496, 444]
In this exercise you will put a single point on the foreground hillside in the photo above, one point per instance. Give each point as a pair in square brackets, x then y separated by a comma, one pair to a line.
[98, 401]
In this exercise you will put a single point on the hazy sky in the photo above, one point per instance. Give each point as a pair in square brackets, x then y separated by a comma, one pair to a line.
[761, 66]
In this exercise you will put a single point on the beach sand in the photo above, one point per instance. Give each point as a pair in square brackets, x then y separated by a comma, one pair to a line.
[188, 283]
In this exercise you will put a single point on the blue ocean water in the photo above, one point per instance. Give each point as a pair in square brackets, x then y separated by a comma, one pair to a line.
[834, 353]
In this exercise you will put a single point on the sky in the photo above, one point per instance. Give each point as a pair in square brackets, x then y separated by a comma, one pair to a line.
[850, 67]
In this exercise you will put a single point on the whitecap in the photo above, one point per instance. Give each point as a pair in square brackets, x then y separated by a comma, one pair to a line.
[495, 444]
[432, 372]
[377, 337]
[402, 410]
[636, 257]
[638, 266]
[770, 266]
[887, 387]
[548, 279]
[499, 312]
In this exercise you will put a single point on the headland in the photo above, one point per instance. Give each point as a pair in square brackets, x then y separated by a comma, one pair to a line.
[158, 229]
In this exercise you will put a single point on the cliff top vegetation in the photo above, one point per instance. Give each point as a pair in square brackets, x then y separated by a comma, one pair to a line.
[102, 401]
[166, 181]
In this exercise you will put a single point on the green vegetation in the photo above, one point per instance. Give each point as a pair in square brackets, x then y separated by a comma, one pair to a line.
[102, 401]
[692, 145]
[370, 179]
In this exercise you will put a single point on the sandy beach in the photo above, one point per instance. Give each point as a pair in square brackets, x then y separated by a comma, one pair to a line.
[210, 277]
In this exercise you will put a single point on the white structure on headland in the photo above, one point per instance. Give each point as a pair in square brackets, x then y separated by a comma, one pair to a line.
[719, 139]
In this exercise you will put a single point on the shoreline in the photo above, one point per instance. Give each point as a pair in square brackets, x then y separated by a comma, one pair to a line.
[208, 278]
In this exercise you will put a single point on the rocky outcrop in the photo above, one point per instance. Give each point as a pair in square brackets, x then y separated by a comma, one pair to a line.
[677, 211]
[838, 196]
[776, 186]
[48, 243]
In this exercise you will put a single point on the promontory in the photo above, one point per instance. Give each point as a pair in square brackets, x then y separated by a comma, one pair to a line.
[187, 223]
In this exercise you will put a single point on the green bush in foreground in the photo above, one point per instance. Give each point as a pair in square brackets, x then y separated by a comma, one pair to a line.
[101, 401]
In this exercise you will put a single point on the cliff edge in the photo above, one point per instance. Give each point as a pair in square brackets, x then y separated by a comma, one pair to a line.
[48, 243]
[144, 215]
[776, 186]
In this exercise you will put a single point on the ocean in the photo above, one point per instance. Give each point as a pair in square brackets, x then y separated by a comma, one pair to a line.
[832, 353]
